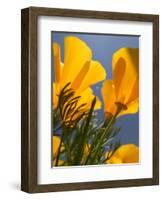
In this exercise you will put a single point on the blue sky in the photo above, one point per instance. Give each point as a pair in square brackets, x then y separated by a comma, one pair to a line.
[103, 47]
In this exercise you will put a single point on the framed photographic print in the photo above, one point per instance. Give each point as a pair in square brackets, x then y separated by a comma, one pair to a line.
[90, 100]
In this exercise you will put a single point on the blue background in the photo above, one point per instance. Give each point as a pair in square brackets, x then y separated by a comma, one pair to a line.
[103, 47]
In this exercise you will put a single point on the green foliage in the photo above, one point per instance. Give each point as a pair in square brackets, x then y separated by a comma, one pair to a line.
[84, 140]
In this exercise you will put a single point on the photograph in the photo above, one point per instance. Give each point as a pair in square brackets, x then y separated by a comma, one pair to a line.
[95, 99]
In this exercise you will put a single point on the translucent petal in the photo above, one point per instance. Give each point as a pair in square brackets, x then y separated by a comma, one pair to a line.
[125, 71]
[57, 62]
[95, 74]
[108, 94]
[80, 77]
[76, 54]
[128, 153]
[56, 143]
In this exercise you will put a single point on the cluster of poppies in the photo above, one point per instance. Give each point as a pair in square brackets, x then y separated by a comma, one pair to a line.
[120, 94]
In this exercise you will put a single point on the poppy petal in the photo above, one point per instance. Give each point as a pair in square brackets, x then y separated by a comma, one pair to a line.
[108, 94]
[76, 54]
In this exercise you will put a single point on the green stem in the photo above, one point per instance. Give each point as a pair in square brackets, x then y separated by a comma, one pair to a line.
[111, 122]
[59, 149]
[68, 150]
[80, 151]
[101, 140]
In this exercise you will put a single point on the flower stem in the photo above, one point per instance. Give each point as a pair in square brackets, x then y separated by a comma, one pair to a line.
[90, 160]
[59, 149]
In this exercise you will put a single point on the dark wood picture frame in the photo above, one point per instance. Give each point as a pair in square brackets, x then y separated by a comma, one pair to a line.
[29, 99]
